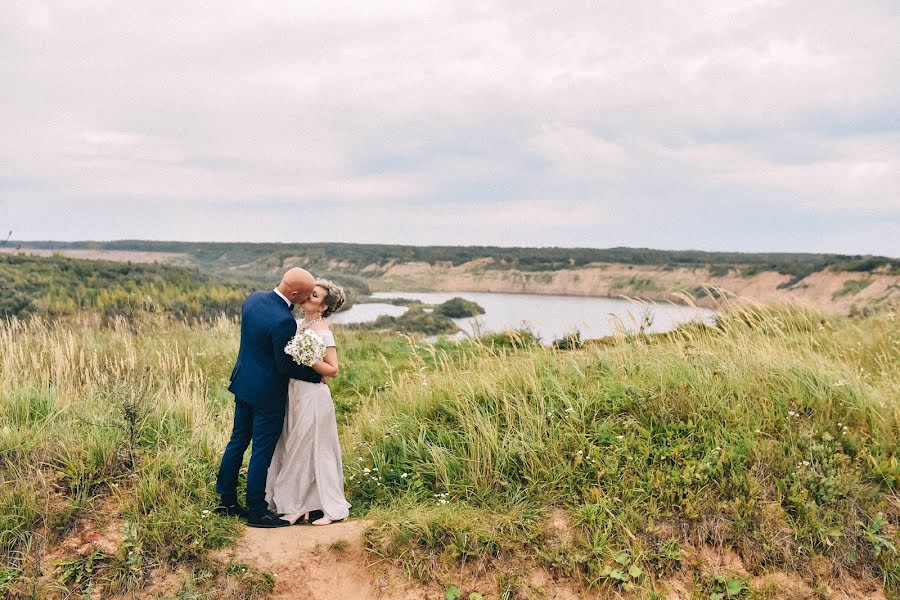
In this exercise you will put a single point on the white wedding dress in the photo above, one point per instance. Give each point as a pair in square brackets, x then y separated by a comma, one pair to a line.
[306, 472]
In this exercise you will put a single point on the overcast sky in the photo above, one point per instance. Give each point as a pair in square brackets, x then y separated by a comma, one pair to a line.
[720, 125]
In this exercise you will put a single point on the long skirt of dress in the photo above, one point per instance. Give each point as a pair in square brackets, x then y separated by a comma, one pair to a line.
[306, 472]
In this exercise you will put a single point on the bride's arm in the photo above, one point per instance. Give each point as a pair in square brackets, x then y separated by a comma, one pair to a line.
[329, 365]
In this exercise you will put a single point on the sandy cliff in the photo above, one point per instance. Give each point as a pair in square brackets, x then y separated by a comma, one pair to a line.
[830, 290]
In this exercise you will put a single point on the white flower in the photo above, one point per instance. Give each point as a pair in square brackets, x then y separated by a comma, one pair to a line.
[404, 475]
[367, 470]
[306, 348]
[620, 437]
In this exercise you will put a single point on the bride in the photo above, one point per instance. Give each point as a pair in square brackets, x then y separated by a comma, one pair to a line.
[306, 474]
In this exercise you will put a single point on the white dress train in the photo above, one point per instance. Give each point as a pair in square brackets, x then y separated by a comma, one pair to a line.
[306, 472]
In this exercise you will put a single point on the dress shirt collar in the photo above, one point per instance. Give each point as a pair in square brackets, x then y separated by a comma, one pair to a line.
[283, 297]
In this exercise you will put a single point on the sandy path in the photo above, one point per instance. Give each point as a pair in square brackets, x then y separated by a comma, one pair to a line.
[317, 562]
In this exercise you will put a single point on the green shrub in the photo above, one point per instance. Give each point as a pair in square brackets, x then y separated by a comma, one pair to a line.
[458, 308]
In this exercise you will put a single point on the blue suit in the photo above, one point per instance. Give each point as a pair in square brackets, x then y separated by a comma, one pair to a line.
[259, 383]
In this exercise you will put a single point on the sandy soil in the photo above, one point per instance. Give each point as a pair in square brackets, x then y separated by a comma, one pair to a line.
[319, 562]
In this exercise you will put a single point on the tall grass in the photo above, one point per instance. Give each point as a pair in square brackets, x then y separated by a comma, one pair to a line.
[123, 424]
[774, 433]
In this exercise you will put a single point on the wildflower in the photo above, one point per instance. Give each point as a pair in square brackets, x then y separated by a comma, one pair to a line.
[205, 513]
[367, 470]
[404, 475]
[620, 437]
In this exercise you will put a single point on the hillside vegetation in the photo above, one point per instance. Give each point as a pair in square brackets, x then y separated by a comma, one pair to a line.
[842, 284]
[59, 286]
[772, 435]
[354, 258]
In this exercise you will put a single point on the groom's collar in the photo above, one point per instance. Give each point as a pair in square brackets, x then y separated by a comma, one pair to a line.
[283, 297]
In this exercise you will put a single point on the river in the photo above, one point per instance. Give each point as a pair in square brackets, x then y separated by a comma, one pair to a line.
[549, 317]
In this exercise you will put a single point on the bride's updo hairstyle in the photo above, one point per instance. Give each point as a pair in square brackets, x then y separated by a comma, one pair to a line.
[334, 296]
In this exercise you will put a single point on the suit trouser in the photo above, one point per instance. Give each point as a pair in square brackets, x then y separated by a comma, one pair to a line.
[263, 427]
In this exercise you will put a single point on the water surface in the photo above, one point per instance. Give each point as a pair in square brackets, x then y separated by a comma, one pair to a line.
[549, 317]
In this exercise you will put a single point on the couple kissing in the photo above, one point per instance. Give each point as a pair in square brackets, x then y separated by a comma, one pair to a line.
[284, 408]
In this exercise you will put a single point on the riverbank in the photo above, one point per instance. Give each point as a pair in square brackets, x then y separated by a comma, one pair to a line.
[838, 292]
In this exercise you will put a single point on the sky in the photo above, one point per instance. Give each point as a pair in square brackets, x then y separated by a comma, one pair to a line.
[738, 125]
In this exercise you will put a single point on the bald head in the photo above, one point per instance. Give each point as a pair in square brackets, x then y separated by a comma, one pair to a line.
[296, 285]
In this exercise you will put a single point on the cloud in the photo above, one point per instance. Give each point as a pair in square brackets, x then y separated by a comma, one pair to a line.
[524, 122]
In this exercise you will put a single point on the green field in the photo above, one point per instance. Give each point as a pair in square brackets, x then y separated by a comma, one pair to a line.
[774, 434]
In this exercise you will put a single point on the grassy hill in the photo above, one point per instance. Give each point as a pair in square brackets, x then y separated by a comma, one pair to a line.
[58, 286]
[772, 436]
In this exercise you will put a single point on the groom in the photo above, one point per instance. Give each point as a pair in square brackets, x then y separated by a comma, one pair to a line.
[259, 383]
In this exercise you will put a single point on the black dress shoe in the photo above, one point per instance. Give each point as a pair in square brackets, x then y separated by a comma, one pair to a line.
[314, 515]
[267, 520]
[231, 510]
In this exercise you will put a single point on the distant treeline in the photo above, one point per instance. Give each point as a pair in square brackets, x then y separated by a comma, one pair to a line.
[58, 286]
[251, 260]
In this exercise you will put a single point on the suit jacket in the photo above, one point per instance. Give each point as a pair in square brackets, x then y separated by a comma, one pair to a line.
[261, 373]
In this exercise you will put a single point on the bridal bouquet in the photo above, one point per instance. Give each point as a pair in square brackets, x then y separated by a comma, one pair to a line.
[306, 348]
